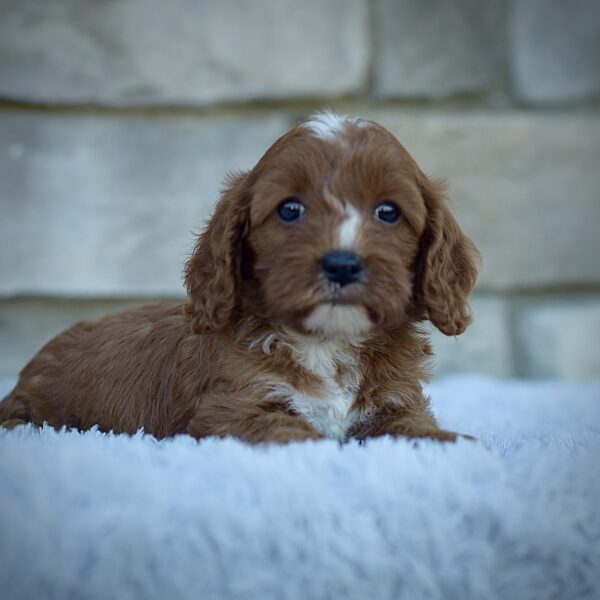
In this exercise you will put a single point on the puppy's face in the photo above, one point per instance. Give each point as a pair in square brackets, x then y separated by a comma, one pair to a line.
[340, 232]
[336, 218]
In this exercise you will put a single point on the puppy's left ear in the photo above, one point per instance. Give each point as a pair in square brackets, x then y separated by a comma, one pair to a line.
[446, 267]
[212, 274]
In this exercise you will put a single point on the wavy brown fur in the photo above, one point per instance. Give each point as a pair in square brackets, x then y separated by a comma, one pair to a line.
[237, 359]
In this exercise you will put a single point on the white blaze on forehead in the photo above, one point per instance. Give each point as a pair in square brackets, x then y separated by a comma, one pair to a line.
[333, 200]
[328, 125]
[334, 320]
[347, 233]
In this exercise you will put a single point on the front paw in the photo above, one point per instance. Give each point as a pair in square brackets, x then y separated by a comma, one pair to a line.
[442, 435]
[284, 435]
[12, 423]
[439, 435]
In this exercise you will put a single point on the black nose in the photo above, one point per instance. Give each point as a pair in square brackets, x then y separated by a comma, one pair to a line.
[341, 267]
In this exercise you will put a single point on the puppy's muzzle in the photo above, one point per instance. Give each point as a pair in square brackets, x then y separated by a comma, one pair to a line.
[341, 267]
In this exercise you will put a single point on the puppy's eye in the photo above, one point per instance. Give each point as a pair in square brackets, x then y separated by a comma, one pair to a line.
[290, 210]
[387, 212]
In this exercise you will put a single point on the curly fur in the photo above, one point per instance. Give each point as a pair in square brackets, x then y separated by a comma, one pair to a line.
[265, 348]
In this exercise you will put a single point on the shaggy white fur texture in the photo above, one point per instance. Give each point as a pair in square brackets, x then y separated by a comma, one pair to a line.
[516, 515]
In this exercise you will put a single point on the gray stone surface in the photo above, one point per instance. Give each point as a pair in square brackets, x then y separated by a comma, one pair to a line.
[106, 206]
[431, 48]
[525, 186]
[556, 50]
[26, 324]
[485, 347]
[559, 338]
[180, 52]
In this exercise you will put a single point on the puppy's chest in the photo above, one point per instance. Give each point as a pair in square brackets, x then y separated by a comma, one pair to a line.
[336, 369]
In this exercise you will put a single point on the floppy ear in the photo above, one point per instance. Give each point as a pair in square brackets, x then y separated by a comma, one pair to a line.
[212, 274]
[446, 267]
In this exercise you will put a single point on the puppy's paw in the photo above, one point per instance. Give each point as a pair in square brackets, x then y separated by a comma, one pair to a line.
[442, 435]
[285, 435]
[12, 423]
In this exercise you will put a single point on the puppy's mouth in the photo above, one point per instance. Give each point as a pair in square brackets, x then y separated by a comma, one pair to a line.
[338, 320]
[346, 295]
[341, 311]
[341, 294]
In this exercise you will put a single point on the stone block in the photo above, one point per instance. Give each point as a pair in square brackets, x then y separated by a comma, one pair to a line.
[525, 187]
[559, 338]
[106, 206]
[26, 324]
[181, 52]
[485, 347]
[556, 50]
[438, 48]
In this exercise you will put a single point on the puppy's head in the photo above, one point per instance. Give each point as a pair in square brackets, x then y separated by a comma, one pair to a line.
[336, 232]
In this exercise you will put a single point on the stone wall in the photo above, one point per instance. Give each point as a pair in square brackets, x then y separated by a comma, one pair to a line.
[118, 120]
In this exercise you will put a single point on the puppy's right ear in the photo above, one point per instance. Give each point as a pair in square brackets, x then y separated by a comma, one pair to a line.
[212, 274]
[446, 268]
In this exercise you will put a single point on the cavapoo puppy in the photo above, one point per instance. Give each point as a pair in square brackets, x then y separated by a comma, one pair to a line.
[306, 290]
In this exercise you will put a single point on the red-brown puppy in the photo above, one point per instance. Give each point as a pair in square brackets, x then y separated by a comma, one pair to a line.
[305, 291]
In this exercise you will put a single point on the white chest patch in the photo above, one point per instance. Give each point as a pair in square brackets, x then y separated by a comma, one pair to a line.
[330, 412]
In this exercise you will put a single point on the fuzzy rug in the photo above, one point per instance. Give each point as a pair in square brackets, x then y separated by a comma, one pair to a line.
[516, 515]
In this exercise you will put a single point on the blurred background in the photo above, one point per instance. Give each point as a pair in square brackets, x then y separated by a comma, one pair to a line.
[120, 118]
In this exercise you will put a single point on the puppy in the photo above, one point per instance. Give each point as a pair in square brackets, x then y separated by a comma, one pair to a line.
[305, 294]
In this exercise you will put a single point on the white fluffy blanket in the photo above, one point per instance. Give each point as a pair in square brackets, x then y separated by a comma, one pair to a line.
[516, 515]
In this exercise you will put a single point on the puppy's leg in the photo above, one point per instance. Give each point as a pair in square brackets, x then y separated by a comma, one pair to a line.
[249, 420]
[401, 429]
[12, 423]
[415, 422]
[15, 410]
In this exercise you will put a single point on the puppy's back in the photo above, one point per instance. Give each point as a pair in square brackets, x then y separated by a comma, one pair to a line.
[116, 372]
